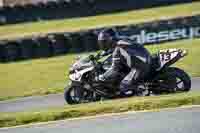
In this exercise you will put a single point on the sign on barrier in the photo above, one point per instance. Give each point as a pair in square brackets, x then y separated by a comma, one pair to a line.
[60, 43]
[145, 37]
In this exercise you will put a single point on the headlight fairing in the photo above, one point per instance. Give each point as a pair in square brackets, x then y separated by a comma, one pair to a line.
[71, 71]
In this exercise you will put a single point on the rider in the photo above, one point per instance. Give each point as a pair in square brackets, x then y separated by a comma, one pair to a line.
[124, 53]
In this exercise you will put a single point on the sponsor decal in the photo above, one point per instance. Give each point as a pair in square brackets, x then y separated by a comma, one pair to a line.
[145, 37]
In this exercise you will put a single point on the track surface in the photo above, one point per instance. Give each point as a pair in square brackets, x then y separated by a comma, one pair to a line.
[167, 121]
[55, 100]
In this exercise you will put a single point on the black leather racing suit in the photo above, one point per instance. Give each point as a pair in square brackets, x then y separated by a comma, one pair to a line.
[135, 57]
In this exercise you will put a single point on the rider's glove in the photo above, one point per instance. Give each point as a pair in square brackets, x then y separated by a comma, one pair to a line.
[101, 78]
[103, 53]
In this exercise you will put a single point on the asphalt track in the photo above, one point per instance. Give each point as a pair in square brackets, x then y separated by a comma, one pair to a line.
[55, 100]
[185, 120]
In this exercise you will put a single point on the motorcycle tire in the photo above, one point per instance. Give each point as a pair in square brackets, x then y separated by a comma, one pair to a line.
[175, 76]
[67, 96]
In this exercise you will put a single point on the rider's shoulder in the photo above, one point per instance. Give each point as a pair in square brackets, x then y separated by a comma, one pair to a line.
[124, 41]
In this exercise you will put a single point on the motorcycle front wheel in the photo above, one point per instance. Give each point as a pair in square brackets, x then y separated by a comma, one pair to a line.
[78, 95]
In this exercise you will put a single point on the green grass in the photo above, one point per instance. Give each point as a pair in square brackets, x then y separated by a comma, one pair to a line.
[114, 106]
[48, 75]
[76, 24]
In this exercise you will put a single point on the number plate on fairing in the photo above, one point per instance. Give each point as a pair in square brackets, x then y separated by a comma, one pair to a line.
[167, 55]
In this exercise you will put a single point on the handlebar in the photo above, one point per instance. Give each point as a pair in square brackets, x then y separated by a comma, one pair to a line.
[95, 58]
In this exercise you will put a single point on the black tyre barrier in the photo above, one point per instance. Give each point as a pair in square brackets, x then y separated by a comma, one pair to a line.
[60, 44]
[2, 17]
[90, 41]
[10, 14]
[22, 15]
[163, 31]
[68, 9]
[39, 12]
[14, 15]
[2, 51]
[51, 8]
[31, 13]
[26, 48]
[5, 14]
[195, 21]
[76, 41]
[2, 20]
[11, 51]
[43, 47]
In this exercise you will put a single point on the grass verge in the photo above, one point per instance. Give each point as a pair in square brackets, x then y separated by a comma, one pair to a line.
[115, 106]
[48, 75]
[121, 18]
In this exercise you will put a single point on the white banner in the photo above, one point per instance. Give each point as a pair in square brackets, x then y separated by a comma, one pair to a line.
[145, 37]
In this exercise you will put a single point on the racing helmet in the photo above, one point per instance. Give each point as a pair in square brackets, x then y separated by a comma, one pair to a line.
[106, 38]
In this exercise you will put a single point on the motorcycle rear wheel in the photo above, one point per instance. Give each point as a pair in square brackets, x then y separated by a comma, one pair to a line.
[174, 80]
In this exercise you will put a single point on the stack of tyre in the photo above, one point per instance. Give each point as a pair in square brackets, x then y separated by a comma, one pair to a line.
[47, 46]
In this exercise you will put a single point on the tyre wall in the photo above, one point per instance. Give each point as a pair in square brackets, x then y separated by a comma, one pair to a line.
[61, 43]
[61, 9]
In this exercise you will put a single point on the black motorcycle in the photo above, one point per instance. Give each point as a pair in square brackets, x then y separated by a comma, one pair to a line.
[162, 79]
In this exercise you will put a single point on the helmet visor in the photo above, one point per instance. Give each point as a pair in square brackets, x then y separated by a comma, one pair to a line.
[103, 41]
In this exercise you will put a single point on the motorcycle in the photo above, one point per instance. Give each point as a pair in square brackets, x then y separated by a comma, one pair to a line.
[162, 78]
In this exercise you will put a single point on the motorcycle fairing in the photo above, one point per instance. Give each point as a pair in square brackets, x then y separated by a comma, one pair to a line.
[168, 56]
[77, 76]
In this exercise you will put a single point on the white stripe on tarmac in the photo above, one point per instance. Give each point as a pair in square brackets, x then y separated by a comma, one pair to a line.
[98, 116]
